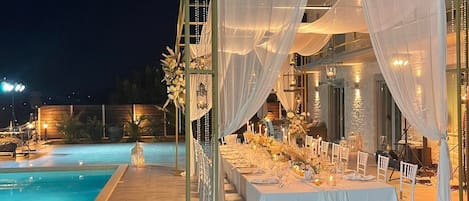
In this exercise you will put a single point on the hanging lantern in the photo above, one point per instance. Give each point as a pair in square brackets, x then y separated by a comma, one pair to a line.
[292, 79]
[202, 96]
[331, 72]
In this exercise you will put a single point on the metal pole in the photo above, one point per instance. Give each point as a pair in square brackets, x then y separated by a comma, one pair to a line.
[177, 136]
[187, 121]
[458, 97]
[215, 126]
[13, 108]
[466, 68]
[164, 125]
[103, 113]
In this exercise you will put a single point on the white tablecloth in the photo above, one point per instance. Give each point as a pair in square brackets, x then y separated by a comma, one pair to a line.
[300, 190]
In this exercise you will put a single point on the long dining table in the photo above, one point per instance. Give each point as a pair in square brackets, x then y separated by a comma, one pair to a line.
[296, 188]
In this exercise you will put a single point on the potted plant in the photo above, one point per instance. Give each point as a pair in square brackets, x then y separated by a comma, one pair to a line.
[135, 128]
[115, 133]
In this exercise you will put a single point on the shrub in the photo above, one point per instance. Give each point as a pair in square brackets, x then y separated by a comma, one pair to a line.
[94, 129]
[71, 127]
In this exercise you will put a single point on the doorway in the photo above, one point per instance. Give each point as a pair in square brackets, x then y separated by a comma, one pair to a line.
[388, 117]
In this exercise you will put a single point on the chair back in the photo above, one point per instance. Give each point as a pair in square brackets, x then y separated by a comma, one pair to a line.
[309, 141]
[314, 147]
[407, 179]
[335, 155]
[382, 169]
[362, 160]
[344, 152]
[324, 150]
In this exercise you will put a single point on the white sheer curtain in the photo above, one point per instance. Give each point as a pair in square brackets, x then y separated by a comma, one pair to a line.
[249, 64]
[411, 52]
[287, 99]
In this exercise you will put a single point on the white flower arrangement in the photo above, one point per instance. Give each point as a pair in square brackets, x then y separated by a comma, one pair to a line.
[174, 77]
[298, 124]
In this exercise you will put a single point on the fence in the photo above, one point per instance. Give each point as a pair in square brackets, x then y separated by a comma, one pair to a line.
[109, 115]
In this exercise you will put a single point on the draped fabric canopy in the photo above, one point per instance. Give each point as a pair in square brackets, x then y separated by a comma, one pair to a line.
[411, 52]
[246, 75]
[343, 17]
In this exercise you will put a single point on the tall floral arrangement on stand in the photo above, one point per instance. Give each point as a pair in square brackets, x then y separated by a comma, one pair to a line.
[174, 77]
[298, 124]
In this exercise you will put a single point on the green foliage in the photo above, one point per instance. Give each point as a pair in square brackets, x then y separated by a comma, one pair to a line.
[155, 127]
[94, 129]
[135, 128]
[71, 127]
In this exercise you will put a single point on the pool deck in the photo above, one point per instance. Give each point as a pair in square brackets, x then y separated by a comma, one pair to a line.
[150, 183]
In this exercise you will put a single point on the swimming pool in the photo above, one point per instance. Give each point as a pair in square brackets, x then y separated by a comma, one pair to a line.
[161, 153]
[53, 184]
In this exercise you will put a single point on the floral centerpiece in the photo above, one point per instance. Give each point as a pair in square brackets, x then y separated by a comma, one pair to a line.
[174, 77]
[298, 124]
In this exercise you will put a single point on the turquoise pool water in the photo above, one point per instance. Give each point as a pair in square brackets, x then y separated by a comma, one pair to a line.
[162, 153]
[82, 185]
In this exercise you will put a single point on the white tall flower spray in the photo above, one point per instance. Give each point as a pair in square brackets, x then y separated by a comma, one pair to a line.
[174, 77]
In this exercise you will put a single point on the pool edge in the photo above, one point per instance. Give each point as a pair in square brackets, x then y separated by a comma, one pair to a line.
[111, 184]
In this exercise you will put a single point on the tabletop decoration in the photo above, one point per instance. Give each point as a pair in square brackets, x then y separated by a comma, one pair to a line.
[298, 125]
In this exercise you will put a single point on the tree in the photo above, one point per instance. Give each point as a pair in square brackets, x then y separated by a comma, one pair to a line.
[143, 86]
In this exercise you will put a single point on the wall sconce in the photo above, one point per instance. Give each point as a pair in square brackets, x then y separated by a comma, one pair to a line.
[400, 60]
[202, 96]
[356, 85]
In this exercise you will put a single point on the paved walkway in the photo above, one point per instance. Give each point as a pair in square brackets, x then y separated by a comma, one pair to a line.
[150, 183]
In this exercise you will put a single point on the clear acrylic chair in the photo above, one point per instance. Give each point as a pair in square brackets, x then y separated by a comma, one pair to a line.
[362, 160]
[382, 169]
[407, 179]
[335, 155]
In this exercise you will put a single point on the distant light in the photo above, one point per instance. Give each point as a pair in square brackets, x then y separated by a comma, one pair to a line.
[7, 87]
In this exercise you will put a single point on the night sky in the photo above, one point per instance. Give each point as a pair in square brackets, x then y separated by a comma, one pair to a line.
[60, 46]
